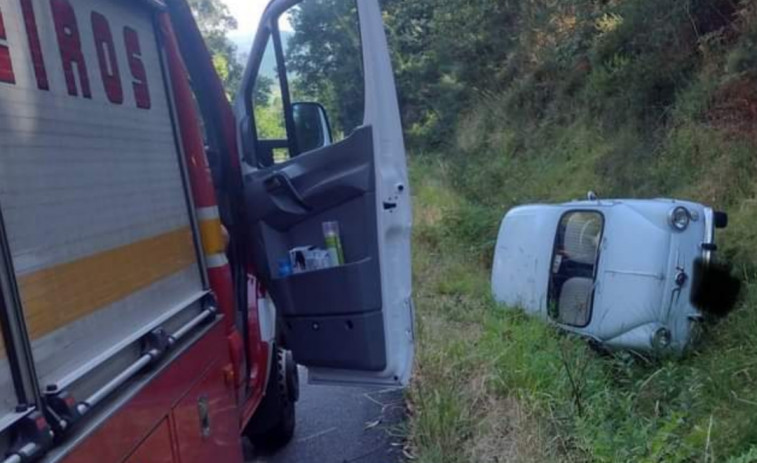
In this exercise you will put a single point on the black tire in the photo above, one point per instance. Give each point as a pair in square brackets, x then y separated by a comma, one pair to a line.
[272, 426]
[720, 219]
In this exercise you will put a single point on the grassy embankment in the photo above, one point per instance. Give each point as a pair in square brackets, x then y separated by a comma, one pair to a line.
[493, 385]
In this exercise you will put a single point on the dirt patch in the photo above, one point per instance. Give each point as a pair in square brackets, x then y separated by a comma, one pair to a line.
[508, 433]
[734, 108]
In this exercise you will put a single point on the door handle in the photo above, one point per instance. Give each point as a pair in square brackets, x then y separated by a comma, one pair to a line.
[280, 180]
[203, 412]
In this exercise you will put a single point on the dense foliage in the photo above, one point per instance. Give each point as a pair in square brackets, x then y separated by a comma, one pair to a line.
[215, 21]
[324, 60]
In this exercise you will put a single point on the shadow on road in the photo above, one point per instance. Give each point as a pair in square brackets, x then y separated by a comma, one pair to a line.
[343, 424]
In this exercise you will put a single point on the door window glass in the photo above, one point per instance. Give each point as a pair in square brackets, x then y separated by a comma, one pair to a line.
[571, 285]
[268, 106]
[324, 61]
[319, 98]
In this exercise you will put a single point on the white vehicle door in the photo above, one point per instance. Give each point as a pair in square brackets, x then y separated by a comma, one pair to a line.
[322, 142]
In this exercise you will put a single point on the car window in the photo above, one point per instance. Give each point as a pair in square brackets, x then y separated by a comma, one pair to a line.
[268, 106]
[308, 92]
[573, 272]
[324, 60]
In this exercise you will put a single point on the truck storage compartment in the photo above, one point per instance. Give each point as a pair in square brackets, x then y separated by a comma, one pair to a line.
[205, 421]
[156, 448]
[94, 207]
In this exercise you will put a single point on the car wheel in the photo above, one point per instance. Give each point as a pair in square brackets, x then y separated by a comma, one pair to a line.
[720, 219]
[273, 425]
[598, 348]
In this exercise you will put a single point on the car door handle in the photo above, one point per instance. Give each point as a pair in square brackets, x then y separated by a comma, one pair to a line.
[280, 180]
[388, 206]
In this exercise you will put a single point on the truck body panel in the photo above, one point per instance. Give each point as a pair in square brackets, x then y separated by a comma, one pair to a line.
[125, 428]
[8, 400]
[93, 201]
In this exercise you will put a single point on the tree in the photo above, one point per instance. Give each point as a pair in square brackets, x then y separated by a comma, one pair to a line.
[445, 52]
[215, 21]
[263, 90]
[324, 62]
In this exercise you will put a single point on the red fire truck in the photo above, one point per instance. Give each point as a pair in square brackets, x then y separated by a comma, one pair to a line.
[149, 311]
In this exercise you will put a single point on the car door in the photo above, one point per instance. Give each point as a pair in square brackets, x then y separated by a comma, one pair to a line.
[322, 145]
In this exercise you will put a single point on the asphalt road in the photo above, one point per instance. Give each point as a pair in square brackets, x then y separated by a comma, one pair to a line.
[343, 424]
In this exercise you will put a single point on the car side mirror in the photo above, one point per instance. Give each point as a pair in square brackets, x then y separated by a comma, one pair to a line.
[311, 125]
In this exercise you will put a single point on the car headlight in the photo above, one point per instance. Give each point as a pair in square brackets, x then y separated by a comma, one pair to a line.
[661, 338]
[679, 218]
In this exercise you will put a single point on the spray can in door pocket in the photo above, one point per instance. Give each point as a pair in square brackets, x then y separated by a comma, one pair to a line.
[333, 242]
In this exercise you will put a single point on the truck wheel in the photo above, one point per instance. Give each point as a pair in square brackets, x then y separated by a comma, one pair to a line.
[273, 424]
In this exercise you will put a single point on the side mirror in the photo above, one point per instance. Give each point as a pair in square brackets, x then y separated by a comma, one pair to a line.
[311, 124]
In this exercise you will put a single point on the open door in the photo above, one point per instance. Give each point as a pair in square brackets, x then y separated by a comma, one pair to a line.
[322, 142]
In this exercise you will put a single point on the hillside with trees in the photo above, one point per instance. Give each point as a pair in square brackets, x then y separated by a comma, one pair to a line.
[215, 22]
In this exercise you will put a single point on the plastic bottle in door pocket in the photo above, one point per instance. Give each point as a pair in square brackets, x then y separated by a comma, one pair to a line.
[333, 242]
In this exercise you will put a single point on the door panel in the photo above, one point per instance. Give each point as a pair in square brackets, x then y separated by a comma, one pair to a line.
[339, 342]
[350, 323]
[329, 313]
[323, 179]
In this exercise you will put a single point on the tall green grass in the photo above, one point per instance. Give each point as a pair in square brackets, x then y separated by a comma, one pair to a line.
[477, 361]
[653, 98]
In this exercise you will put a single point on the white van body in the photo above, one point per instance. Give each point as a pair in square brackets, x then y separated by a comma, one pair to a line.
[616, 271]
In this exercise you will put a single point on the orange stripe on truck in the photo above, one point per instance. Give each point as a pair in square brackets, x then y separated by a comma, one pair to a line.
[59, 295]
[213, 241]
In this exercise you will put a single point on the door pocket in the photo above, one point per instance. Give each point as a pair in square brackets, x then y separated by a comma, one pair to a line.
[330, 313]
[346, 289]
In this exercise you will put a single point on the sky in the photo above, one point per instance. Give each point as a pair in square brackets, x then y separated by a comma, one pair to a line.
[247, 13]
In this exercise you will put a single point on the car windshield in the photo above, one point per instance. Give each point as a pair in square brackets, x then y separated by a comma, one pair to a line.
[571, 283]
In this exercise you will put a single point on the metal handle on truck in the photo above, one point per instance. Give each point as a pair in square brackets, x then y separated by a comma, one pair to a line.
[66, 411]
[148, 357]
[28, 449]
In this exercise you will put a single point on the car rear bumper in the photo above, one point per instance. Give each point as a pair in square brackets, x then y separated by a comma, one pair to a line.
[708, 243]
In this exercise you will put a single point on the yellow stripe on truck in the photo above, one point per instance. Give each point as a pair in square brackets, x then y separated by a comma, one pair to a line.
[59, 295]
[213, 241]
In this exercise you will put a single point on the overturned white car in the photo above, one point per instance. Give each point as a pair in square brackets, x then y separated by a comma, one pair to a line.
[617, 271]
